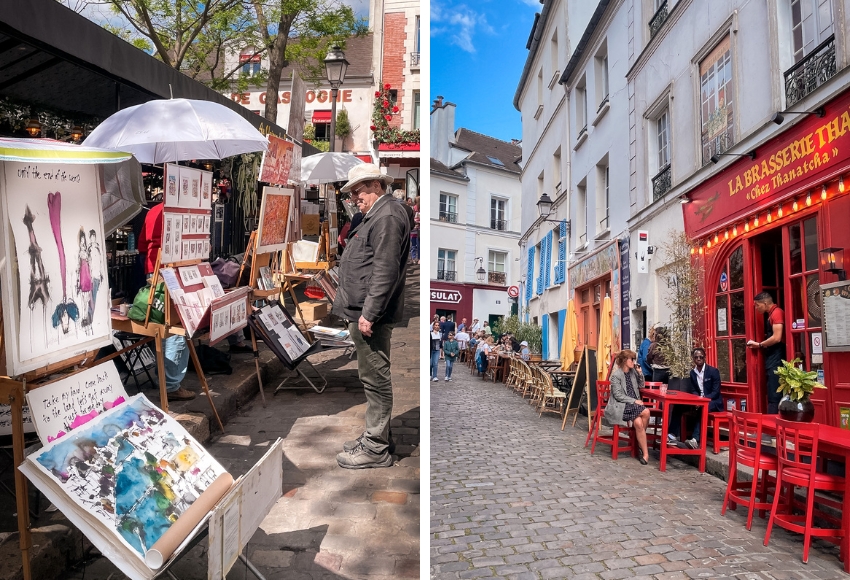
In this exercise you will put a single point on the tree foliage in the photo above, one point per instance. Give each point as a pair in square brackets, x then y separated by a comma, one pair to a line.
[522, 331]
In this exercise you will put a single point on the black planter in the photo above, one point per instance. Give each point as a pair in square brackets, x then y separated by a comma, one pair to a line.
[800, 411]
[678, 383]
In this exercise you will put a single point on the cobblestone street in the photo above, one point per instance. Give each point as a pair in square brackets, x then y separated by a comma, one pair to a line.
[512, 496]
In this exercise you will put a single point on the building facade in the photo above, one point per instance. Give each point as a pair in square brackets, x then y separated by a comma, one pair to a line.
[474, 221]
[761, 196]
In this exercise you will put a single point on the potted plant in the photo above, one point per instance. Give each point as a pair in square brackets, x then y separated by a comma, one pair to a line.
[684, 300]
[797, 386]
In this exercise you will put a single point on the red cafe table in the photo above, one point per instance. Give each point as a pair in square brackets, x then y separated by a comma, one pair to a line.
[669, 399]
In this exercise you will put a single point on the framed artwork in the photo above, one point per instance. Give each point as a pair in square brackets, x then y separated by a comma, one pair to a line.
[277, 162]
[56, 304]
[275, 212]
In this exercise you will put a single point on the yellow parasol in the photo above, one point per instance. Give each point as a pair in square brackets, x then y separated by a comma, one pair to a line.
[603, 348]
[568, 342]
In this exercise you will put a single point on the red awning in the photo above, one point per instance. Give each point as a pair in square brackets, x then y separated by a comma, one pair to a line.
[364, 158]
[321, 117]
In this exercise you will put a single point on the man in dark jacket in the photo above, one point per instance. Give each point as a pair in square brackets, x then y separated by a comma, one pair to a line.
[705, 382]
[371, 297]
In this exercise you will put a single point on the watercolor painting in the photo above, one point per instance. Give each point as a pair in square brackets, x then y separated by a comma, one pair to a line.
[277, 162]
[133, 468]
[275, 211]
[51, 247]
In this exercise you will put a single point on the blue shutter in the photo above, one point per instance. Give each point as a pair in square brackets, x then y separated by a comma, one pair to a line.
[547, 281]
[561, 269]
[562, 317]
[539, 280]
[530, 275]
[545, 346]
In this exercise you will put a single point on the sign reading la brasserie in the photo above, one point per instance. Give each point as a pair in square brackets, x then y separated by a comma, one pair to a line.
[797, 159]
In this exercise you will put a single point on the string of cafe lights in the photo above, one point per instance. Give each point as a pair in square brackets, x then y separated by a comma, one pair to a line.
[779, 211]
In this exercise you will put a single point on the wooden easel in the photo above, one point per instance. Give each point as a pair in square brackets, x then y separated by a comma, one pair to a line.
[172, 329]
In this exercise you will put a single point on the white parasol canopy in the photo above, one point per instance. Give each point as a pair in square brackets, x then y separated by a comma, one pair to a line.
[327, 167]
[177, 130]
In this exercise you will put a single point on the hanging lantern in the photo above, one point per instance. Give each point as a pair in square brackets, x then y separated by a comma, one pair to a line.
[726, 234]
[708, 244]
[746, 226]
[700, 250]
[769, 217]
[841, 184]
[779, 212]
[823, 193]
[756, 221]
[809, 199]
[693, 250]
[794, 206]
[716, 239]
[735, 231]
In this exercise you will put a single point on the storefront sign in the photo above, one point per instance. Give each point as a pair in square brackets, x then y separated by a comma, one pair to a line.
[789, 163]
[595, 266]
[451, 297]
[247, 99]
[625, 289]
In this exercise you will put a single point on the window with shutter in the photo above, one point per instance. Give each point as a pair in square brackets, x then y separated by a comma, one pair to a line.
[530, 274]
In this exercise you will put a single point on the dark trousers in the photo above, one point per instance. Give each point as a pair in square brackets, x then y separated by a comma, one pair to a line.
[373, 367]
[772, 362]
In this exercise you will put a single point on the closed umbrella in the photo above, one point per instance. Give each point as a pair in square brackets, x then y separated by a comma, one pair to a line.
[568, 343]
[327, 167]
[603, 348]
[177, 130]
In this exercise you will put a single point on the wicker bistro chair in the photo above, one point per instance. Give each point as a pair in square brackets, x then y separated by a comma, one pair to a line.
[551, 399]
[745, 449]
[523, 377]
[492, 367]
[537, 386]
[797, 456]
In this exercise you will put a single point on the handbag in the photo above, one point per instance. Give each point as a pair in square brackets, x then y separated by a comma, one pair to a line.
[226, 270]
[139, 308]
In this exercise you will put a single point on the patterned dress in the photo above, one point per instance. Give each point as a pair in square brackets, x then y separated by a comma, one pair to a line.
[632, 410]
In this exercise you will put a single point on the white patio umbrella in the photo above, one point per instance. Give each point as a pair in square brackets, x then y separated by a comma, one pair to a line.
[327, 167]
[177, 130]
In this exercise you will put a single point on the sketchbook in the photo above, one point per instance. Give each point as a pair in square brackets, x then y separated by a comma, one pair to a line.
[133, 481]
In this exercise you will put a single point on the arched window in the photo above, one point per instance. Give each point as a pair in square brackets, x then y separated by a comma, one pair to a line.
[731, 342]
[250, 61]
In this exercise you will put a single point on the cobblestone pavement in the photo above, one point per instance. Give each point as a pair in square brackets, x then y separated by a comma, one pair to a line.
[512, 496]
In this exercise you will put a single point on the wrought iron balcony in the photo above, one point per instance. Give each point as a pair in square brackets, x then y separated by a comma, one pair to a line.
[662, 182]
[448, 216]
[447, 275]
[498, 224]
[602, 104]
[414, 59]
[658, 19]
[499, 278]
[811, 72]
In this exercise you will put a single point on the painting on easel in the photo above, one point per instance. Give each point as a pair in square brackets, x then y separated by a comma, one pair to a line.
[52, 249]
[275, 212]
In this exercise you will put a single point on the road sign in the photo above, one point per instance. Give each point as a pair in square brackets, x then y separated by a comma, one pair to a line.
[513, 291]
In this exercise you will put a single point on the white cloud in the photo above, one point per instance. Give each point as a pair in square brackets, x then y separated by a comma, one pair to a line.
[459, 23]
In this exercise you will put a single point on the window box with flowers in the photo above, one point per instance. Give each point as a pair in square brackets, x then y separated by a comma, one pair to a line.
[383, 112]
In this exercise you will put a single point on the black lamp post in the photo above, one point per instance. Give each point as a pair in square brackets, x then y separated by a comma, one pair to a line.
[544, 205]
[335, 67]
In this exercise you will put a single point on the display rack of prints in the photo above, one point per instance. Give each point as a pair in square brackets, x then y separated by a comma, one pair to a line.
[187, 214]
[196, 291]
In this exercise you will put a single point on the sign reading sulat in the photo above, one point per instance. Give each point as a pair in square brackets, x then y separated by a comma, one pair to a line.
[450, 296]
[789, 163]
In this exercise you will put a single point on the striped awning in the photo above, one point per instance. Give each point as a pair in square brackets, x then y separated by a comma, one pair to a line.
[48, 150]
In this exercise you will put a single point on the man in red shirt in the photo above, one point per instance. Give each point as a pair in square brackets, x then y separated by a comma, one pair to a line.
[773, 346]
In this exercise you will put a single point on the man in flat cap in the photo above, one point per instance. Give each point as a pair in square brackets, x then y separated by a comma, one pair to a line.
[371, 298]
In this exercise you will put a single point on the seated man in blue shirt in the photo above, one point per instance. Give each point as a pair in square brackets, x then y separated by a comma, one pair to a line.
[705, 382]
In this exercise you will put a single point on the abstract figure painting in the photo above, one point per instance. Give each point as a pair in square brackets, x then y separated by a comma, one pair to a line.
[127, 479]
[273, 230]
[57, 305]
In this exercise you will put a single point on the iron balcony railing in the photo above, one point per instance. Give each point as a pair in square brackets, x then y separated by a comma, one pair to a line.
[448, 216]
[497, 278]
[811, 72]
[602, 104]
[414, 59]
[498, 224]
[448, 275]
[662, 182]
[658, 19]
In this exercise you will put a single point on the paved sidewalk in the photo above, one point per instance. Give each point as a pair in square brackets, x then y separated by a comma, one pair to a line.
[512, 496]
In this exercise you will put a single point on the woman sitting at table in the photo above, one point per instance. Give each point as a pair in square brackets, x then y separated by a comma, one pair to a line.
[625, 407]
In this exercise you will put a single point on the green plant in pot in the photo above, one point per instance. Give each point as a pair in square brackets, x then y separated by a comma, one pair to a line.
[797, 386]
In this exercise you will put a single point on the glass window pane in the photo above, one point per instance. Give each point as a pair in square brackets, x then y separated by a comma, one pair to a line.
[736, 269]
[797, 297]
[722, 347]
[810, 229]
[739, 360]
[722, 315]
[738, 324]
[723, 280]
[799, 342]
[813, 303]
[794, 249]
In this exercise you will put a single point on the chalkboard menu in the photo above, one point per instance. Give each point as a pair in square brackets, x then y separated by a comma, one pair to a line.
[835, 298]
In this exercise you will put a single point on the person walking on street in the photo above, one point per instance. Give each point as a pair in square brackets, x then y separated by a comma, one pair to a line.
[773, 346]
[450, 349]
[436, 341]
[372, 275]
[446, 326]
[414, 234]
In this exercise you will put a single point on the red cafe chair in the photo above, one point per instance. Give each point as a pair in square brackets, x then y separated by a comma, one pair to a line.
[745, 449]
[797, 454]
[603, 393]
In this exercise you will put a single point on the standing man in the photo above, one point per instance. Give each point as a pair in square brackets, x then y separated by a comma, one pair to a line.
[705, 382]
[643, 351]
[371, 298]
[446, 326]
[773, 346]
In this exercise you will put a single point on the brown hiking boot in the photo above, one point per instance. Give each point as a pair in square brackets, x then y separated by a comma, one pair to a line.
[181, 394]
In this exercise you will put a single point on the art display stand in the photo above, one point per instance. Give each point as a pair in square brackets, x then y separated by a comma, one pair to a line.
[583, 389]
[172, 329]
[324, 251]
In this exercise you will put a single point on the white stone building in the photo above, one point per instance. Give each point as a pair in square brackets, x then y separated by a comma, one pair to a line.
[474, 221]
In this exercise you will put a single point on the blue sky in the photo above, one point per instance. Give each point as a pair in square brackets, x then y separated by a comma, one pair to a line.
[477, 54]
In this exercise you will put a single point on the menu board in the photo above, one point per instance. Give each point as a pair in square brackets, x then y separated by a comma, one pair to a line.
[835, 298]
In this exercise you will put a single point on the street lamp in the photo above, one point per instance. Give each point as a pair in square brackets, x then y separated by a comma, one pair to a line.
[480, 273]
[335, 67]
[544, 205]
